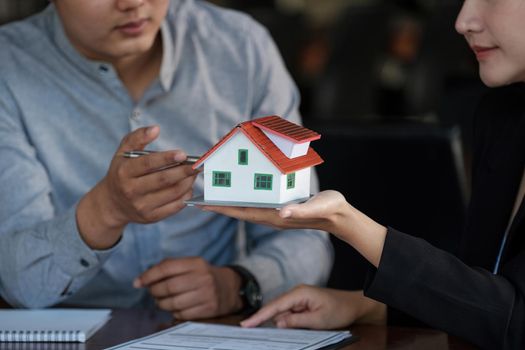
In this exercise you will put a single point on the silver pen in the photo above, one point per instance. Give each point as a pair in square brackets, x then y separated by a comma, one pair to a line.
[136, 154]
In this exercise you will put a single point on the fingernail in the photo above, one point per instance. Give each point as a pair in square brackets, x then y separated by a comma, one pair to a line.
[179, 157]
[151, 130]
[137, 283]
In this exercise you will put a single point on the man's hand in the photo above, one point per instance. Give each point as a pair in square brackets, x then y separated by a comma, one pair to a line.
[190, 288]
[134, 191]
[319, 308]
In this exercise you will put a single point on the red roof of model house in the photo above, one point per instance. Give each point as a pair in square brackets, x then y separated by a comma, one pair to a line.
[286, 129]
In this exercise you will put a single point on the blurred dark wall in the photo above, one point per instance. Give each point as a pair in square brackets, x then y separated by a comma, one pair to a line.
[16, 9]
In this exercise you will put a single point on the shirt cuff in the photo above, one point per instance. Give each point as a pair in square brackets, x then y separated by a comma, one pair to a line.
[72, 254]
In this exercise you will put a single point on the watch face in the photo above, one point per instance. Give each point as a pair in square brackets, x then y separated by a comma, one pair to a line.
[253, 294]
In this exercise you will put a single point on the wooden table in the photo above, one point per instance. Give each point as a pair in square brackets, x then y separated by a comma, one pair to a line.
[126, 325]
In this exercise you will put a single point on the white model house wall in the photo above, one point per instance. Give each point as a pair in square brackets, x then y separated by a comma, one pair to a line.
[301, 188]
[242, 189]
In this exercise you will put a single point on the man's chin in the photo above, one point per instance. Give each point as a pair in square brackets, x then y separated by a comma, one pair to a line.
[132, 47]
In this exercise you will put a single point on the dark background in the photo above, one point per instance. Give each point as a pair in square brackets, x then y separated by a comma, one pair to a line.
[392, 89]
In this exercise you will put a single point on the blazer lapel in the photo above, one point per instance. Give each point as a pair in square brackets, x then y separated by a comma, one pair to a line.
[498, 172]
[516, 239]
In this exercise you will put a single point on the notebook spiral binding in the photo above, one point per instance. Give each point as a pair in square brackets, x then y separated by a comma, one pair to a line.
[41, 336]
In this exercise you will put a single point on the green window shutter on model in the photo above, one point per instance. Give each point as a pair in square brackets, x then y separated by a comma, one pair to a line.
[290, 181]
[263, 182]
[243, 157]
[222, 179]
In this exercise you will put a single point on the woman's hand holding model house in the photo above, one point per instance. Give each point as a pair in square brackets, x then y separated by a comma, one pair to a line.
[313, 307]
[327, 211]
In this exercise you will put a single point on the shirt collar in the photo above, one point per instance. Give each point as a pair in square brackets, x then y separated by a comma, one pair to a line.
[167, 68]
[173, 30]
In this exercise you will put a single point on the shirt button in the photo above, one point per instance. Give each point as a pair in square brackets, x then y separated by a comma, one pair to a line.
[135, 115]
[103, 69]
[84, 262]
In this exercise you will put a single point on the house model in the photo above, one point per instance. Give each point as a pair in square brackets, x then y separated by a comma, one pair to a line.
[265, 160]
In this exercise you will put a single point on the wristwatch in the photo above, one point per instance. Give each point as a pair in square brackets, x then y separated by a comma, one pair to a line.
[250, 291]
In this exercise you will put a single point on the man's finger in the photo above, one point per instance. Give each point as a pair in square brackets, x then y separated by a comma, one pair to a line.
[138, 139]
[166, 179]
[165, 198]
[198, 312]
[181, 302]
[166, 268]
[176, 286]
[170, 208]
[154, 162]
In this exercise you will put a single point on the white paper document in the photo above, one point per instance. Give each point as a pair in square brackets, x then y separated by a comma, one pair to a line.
[191, 336]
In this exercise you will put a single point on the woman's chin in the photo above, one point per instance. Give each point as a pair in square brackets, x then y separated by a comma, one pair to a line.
[497, 79]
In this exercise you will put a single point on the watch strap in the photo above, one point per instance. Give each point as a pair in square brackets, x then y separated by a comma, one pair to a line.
[250, 291]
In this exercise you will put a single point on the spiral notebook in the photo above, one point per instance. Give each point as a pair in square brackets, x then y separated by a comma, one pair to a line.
[51, 325]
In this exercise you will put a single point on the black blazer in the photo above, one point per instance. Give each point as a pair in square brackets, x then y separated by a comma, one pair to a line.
[461, 295]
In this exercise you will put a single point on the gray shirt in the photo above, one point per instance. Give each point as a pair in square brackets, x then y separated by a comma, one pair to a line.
[62, 117]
